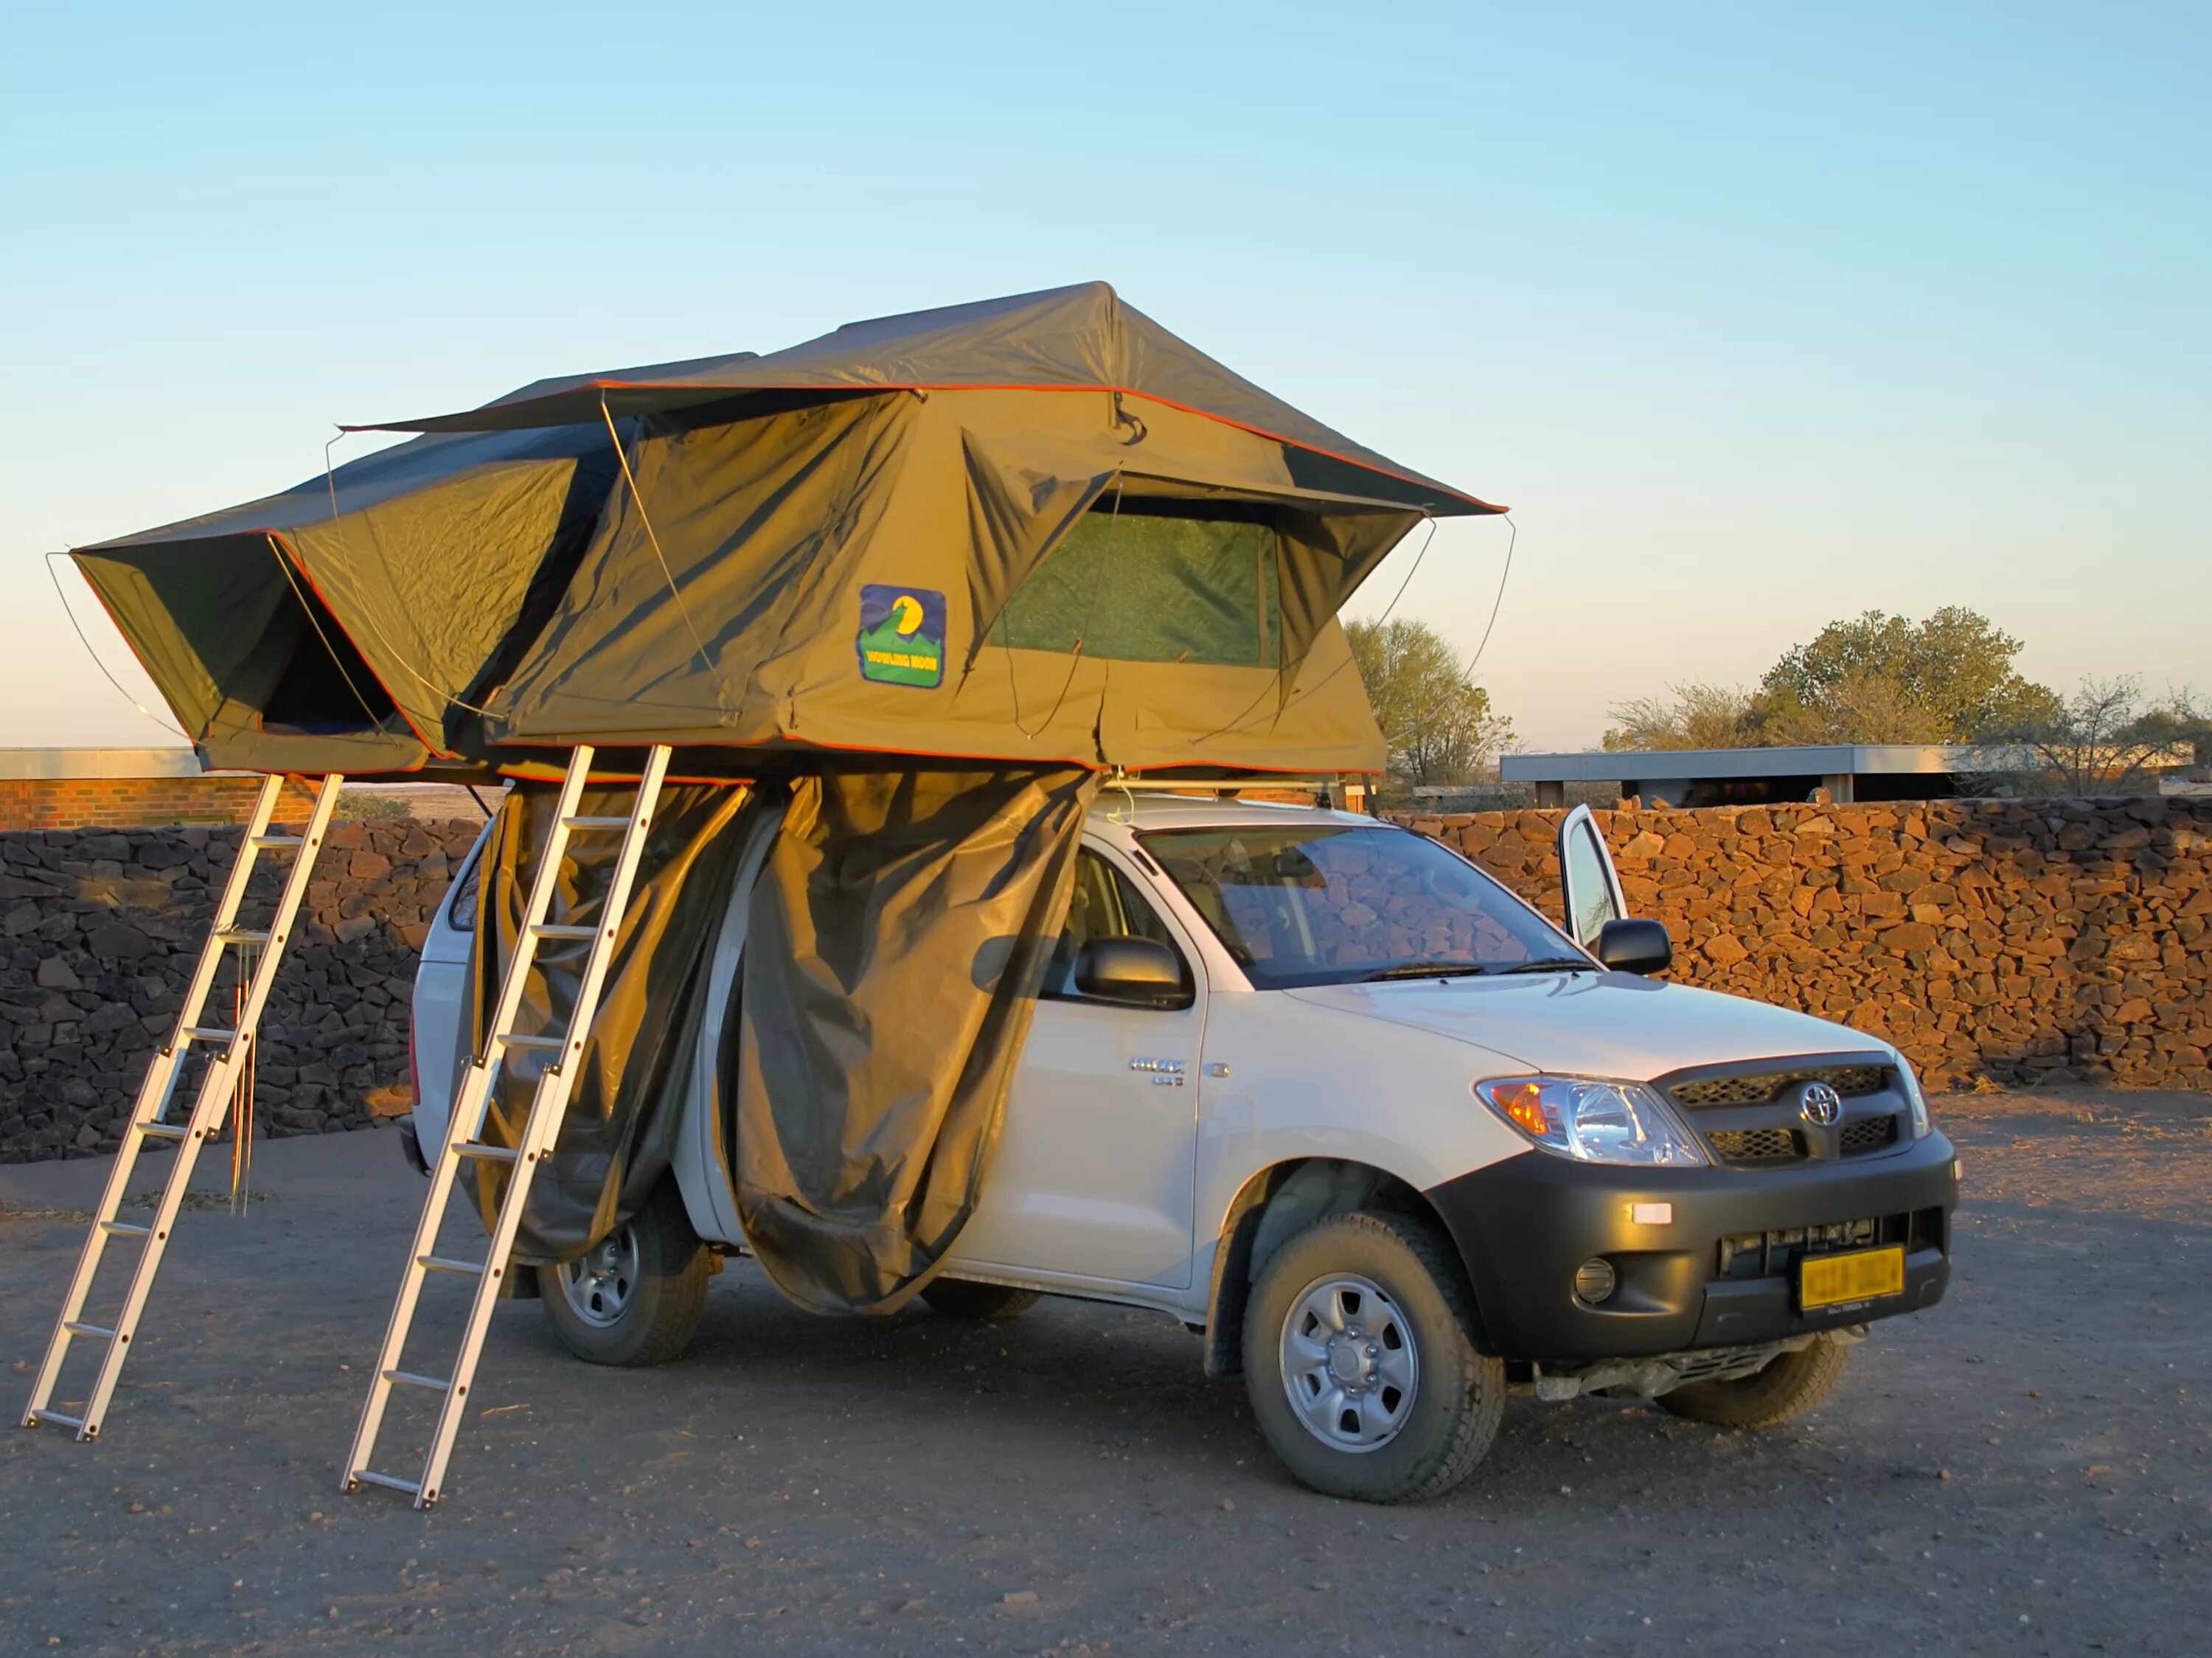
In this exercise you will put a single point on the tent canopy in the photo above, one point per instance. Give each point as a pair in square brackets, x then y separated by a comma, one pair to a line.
[1035, 530]
[350, 623]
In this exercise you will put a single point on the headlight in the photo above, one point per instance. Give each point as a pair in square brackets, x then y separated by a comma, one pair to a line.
[1910, 1084]
[1594, 1120]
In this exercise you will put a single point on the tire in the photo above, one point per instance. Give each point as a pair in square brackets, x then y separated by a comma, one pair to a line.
[636, 1298]
[1788, 1386]
[960, 1297]
[1395, 1279]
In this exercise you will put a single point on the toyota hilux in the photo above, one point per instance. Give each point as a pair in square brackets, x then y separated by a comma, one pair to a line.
[1393, 1142]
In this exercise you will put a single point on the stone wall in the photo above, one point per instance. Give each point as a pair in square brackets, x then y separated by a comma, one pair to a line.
[99, 931]
[2006, 941]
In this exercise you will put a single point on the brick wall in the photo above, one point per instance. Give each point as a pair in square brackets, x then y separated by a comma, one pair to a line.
[131, 802]
[2042, 941]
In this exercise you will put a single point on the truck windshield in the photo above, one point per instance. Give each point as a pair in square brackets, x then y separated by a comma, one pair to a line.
[1318, 904]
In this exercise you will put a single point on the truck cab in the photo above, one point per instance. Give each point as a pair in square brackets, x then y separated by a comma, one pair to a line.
[1395, 1143]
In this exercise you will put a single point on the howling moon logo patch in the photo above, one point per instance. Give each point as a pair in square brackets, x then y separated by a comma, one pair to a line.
[901, 639]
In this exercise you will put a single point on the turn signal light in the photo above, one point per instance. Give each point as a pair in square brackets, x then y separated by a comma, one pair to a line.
[1524, 1104]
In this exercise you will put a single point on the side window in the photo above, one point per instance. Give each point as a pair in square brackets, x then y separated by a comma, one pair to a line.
[1591, 892]
[1106, 904]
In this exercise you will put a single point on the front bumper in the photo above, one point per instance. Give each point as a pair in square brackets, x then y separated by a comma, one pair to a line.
[1525, 1225]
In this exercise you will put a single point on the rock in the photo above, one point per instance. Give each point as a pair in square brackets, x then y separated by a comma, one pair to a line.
[54, 974]
[1724, 950]
[118, 941]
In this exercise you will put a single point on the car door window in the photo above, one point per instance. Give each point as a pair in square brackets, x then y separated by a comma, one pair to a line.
[1105, 904]
[1590, 890]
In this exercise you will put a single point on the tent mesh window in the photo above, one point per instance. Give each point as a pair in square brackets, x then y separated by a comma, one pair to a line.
[1156, 581]
[326, 688]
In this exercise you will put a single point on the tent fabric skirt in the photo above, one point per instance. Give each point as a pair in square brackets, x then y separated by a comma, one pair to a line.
[897, 939]
[896, 936]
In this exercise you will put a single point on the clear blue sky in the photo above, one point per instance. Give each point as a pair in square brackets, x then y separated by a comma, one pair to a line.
[1759, 315]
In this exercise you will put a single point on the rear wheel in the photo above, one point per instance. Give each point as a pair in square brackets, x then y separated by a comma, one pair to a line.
[1359, 1363]
[960, 1297]
[636, 1297]
[1786, 1387]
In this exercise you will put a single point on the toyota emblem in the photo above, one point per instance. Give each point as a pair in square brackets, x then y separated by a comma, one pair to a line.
[1820, 1105]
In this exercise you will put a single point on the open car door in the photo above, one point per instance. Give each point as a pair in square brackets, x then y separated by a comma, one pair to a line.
[1590, 891]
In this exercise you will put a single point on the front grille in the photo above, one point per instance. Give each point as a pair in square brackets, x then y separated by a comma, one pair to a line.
[1870, 1135]
[1849, 1081]
[1756, 1144]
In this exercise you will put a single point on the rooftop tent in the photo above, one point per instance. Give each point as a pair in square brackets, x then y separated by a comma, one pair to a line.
[1033, 529]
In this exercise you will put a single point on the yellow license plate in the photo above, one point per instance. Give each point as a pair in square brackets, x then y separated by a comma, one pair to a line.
[1832, 1280]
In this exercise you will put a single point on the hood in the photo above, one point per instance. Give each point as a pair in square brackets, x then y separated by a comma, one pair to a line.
[1594, 1024]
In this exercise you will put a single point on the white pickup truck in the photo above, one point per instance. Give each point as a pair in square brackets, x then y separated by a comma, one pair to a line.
[1395, 1143]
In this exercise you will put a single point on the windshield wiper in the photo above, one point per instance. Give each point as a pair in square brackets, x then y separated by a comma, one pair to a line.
[1422, 970]
[1553, 964]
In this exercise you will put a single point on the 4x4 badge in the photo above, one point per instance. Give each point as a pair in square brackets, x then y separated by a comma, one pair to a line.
[1820, 1105]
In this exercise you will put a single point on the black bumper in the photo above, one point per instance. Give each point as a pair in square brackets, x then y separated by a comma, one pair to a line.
[1525, 1225]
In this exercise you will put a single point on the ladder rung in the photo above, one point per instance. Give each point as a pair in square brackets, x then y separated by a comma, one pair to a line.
[447, 1264]
[489, 1153]
[58, 1419]
[77, 1329]
[563, 930]
[163, 1131]
[207, 1033]
[391, 1482]
[123, 1228]
[595, 822]
[409, 1379]
[277, 842]
[241, 935]
[516, 1039]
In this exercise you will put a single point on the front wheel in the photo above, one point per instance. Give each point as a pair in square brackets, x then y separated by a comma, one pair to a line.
[1785, 1387]
[1360, 1365]
[636, 1297]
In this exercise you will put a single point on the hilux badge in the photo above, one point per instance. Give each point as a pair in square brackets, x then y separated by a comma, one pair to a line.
[1820, 1105]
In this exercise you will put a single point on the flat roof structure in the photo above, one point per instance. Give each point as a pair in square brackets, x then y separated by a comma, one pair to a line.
[1718, 777]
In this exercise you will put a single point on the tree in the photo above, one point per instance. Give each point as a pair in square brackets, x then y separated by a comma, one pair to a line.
[2101, 740]
[1439, 727]
[1883, 679]
[1693, 715]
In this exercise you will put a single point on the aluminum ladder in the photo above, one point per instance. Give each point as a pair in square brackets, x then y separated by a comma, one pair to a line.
[148, 1118]
[464, 1143]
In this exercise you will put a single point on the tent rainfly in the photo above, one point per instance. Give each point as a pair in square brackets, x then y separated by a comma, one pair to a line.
[1039, 530]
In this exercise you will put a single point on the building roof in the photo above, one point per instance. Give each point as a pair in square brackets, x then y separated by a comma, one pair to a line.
[1815, 760]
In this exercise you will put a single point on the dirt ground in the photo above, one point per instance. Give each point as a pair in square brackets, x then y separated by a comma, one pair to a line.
[2026, 1469]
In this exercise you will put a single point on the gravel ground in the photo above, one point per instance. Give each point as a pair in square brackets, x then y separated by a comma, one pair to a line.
[2023, 1470]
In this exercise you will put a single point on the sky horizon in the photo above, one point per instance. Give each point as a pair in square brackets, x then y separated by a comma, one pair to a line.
[1756, 320]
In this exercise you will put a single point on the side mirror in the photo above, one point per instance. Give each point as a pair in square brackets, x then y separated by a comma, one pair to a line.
[1129, 969]
[1633, 944]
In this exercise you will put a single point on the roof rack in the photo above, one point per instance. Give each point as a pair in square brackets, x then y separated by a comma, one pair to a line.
[1333, 788]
